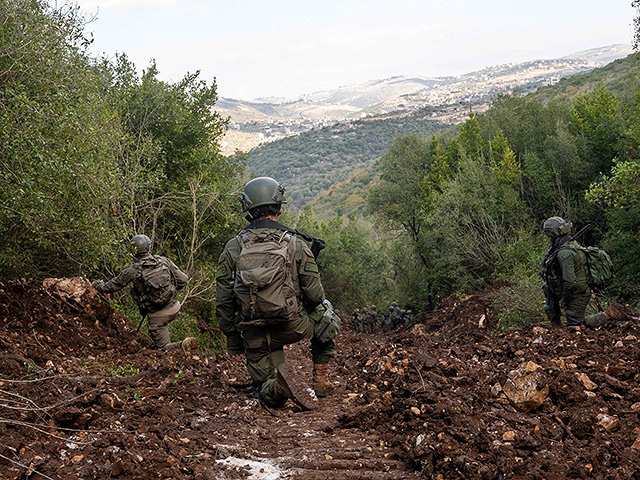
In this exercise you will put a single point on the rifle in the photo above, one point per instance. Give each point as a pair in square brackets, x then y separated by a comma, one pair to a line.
[317, 244]
[144, 317]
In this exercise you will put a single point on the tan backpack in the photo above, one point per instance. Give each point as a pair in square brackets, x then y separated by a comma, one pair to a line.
[266, 280]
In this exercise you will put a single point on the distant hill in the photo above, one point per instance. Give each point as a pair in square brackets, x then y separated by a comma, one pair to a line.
[615, 77]
[312, 162]
[270, 119]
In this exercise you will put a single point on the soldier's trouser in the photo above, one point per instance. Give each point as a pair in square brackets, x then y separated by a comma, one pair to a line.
[574, 312]
[264, 351]
[158, 326]
[551, 306]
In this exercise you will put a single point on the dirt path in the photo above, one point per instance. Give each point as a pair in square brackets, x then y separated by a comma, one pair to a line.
[81, 396]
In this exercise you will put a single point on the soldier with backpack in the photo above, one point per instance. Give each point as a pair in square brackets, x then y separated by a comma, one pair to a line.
[570, 271]
[269, 294]
[155, 280]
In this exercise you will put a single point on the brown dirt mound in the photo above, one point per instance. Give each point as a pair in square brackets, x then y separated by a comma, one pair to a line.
[82, 396]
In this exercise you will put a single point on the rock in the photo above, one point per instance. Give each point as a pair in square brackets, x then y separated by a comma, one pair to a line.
[418, 329]
[509, 436]
[539, 330]
[608, 422]
[635, 406]
[636, 444]
[481, 321]
[586, 381]
[74, 287]
[496, 389]
[619, 344]
[522, 388]
[531, 366]
[558, 362]
[631, 338]
[415, 410]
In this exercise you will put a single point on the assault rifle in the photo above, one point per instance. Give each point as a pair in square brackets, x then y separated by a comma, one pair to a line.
[317, 244]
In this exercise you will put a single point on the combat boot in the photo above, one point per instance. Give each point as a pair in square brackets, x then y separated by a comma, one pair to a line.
[321, 384]
[617, 312]
[289, 385]
[189, 344]
[554, 320]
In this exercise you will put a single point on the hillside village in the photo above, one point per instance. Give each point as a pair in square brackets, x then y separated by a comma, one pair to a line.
[258, 122]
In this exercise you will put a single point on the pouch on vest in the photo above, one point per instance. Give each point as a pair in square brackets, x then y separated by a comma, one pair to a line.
[327, 323]
[265, 283]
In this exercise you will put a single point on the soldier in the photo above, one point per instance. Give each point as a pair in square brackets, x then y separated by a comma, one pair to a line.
[564, 270]
[356, 319]
[156, 280]
[370, 320]
[267, 285]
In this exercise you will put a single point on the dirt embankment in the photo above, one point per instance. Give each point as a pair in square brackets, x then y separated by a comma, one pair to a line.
[83, 396]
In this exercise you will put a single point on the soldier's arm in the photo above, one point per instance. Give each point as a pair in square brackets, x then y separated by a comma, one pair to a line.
[226, 305]
[118, 283]
[567, 266]
[179, 276]
[309, 277]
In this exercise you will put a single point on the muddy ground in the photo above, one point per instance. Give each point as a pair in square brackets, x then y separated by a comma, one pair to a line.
[83, 396]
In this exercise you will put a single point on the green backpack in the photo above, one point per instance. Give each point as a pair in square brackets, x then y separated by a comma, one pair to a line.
[266, 283]
[599, 267]
[155, 284]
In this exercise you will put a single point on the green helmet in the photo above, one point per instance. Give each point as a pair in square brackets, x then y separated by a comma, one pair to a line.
[261, 191]
[556, 227]
[140, 243]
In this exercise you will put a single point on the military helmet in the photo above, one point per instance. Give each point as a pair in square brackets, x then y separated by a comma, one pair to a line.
[373, 307]
[261, 191]
[394, 304]
[140, 243]
[556, 227]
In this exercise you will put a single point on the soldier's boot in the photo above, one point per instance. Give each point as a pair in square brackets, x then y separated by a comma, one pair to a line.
[289, 385]
[189, 344]
[618, 312]
[321, 384]
[554, 319]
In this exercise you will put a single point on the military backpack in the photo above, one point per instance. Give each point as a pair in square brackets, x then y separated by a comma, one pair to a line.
[599, 267]
[266, 282]
[155, 284]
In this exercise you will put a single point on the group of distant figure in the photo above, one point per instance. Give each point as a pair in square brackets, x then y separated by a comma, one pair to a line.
[370, 321]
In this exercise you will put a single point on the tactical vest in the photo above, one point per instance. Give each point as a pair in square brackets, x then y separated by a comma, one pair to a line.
[266, 279]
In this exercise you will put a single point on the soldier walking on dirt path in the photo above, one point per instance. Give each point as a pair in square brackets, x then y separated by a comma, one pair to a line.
[269, 294]
[156, 280]
[565, 272]
[356, 320]
[370, 320]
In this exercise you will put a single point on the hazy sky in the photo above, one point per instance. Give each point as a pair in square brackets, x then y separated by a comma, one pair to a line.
[259, 48]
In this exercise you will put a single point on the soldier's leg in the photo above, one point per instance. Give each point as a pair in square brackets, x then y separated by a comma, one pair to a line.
[158, 326]
[574, 309]
[264, 352]
[551, 307]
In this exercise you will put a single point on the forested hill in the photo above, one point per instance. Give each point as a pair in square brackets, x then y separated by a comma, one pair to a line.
[615, 77]
[311, 162]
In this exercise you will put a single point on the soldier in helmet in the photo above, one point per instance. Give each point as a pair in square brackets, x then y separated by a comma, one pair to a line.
[370, 320]
[356, 320]
[155, 280]
[564, 270]
[267, 286]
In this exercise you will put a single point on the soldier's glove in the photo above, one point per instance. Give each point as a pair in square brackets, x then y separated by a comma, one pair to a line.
[235, 344]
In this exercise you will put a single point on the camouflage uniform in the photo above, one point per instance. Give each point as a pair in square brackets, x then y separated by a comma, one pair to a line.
[356, 319]
[158, 319]
[564, 269]
[263, 344]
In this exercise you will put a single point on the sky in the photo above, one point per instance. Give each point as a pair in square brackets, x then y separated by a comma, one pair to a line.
[281, 48]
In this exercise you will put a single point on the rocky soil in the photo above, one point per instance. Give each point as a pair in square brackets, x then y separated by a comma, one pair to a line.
[83, 396]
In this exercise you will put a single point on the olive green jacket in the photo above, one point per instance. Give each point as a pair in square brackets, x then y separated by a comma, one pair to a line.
[228, 311]
[567, 272]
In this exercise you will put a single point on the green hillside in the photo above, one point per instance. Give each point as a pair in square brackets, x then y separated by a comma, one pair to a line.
[310, 163]
[615, 77]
